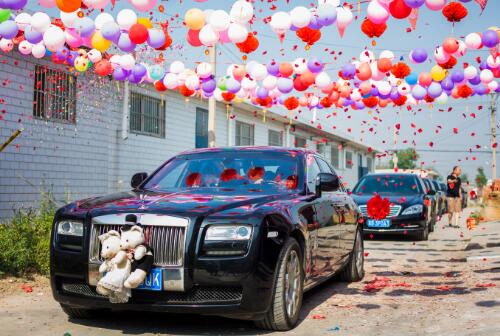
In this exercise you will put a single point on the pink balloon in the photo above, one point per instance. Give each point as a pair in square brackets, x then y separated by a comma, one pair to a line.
[72, 38]
[223, 37]
[143, 5]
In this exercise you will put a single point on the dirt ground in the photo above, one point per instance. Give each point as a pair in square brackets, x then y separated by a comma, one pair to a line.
[410, 288]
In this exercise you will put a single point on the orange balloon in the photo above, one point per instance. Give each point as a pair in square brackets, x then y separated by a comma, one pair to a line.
[364, 72]
[425, 79]
[454, 93]
[239, 72]
[307, 78]
[345, 91]
[384, 64]
[334, 96]
[383, 102]
[340, 102]
[69, 6]
[286, 69]
[365, 88]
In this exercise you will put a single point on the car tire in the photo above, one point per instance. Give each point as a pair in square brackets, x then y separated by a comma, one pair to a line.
[432, 224]
[354, 269]
[423, 235]
[79, 313]
[284, 314]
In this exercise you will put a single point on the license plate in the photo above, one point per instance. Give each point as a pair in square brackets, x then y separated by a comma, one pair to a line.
[382, 223]
[153, 281]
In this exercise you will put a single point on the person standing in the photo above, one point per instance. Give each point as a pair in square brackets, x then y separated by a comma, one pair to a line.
[454, 196]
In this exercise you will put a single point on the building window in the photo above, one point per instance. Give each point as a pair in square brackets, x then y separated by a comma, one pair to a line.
[335, 157]
[147, 115]
[348, 160]
[201, 140]
[244, 134]
[54, 95]
[300, 142]
[275, 138]
[369, 163]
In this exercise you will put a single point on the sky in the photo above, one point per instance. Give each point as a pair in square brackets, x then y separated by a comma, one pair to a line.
[436, 123]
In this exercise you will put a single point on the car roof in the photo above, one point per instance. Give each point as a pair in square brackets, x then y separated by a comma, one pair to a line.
[250, 149]
[391, 174]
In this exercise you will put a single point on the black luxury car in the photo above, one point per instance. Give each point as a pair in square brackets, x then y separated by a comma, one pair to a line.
[238, 232]
[410, 208]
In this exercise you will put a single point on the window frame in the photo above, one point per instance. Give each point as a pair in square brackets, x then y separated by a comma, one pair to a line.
[160, 119]
[199, 111]
[332, 149]
[238, 134]
[280, 136]
[301, 138]
[349, 164]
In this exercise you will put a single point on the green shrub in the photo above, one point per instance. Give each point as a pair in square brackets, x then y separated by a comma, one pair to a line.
[25, 240]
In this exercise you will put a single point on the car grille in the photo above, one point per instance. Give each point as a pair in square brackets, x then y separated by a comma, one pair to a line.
[196, 295]
[167, 243]
[393, 210]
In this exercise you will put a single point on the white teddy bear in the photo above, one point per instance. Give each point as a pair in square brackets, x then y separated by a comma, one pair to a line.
[132, 240]
[115, 268]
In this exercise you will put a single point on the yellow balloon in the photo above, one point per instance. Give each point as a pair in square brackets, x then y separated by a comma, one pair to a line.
[81, 63]
[145, 22]
[100, 43]
[438, 73]
[194, 19]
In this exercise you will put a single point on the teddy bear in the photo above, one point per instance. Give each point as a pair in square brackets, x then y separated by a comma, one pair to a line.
[115, 269]
[132, 241]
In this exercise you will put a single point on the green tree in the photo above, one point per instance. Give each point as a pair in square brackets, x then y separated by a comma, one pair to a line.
[465, 178]
[481, 179]
[407, 158]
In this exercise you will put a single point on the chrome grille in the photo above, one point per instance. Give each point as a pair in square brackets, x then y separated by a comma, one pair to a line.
[393, 210]
[166, 241]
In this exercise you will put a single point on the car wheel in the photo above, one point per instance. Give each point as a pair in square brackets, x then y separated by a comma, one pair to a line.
[354, 270]
[288, 289]
[432, 224]
[79, 313]
[423, 234]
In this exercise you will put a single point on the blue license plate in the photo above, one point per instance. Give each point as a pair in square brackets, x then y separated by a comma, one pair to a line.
[153, 281]
[382, 223]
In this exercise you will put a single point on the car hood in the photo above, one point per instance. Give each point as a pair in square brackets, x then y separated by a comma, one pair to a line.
[187, 203]
[404, 200]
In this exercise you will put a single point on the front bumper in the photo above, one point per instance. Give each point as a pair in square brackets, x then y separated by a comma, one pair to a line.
[399, 225]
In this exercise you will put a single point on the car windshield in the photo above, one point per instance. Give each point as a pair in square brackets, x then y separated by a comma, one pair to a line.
[387, 184]
[243, 171]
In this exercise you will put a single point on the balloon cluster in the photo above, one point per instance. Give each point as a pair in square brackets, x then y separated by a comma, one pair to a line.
[379, 11]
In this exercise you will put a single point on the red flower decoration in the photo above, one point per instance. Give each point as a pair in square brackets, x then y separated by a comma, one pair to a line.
[228, 96]
[193, 180]
[249, 45]
[291, 182]
[372, 29]
[464, 91]
[400, 101]
[326, 102]
[255, 173]
[454, 11]
[229, 174]
[378, 207]
[400, 70]
[370, 102]
[291, 103]
[450, 64]
[308, 35]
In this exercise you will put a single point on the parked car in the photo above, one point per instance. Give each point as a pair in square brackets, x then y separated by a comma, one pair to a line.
[433, 199]
[411, 210]
[441, 196]
[444, 188]
[238, 232]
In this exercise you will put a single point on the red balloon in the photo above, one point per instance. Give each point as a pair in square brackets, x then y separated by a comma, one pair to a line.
[138, 33]
[298, 84]
[450, 45]
[159, 86]
[193, 38]
[103, 68]
[399, 9]
[384, 64]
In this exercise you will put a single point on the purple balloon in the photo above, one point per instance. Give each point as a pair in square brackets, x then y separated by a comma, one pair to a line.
[285, 85]
[382, 96]
[314, 65]
[327, 14]
[86, 27]
[374, 92]
[418, 92]
[414, 3]
[125, 44]
[490, 38]
[457, 76]
[475, 80]
[293, 28]
[8, 29]
[156, 38]
[480, 89]
[14, 4]
[394, 94]
[434, 90]
[419, 55]
[120, 74]
[62, 53]
[72, 57]
[32, 36]
[262, 92]
[348, 71]
[465, 1]
[314, 24]
[139, 70]
[209, 86]
[273, 68]
[111, 31]
[232, 85]
[447, 83]
[360, 105]
[483, 65]
[498, 88]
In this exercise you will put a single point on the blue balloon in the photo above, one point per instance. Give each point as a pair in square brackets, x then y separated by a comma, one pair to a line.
[412, 78]
[348, 70]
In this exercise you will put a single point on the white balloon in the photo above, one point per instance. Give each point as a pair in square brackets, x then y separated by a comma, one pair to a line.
[377, 13]
[40, 22]
[323, 80]
[280, 22]
[38, 50]
[94, 55]
[170, 80]
[486, 76]
[177, 67]
[54, 38]
[376, 74]
[126, 18]
[249, 66]
[208, 36]
[25, 47]
[219, 20]
[462, 49]
[473, 41]
[470, 72]
[335, 3]
[404, 89]
[242, 93]
[127, 61]
[208, 13]
[440, 55]
[493, 62]
[204, 70]
[442, 99]
[96, 4]
[270, 82]
[344, 17]
[493, 85]
[301, 16]
[356, 95]
[384, 87]
[23, 20]
[192, 82]
[143, 5]
[237, 33]
[70, 20]
[248, 83]
[259, 72]
[387, 54]
[299, 65]
[6, 45]
[102, 19]
[241, 11]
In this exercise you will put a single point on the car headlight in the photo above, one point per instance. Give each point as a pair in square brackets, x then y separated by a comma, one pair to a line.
[70, 228]
[228, 232]
[413, 210]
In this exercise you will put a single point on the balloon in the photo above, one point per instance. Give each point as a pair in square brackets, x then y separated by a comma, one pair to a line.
[208, 36]
[126, 18]
[414, 3]
[13, 4]
[204, 70]
[412, 78]
[462, 49]
[95, 4]
[101, 19]
[418, 55]
[447, 83]
[54, 38]
[470, 72]
[384, 64]
[259, 72]
[440, 55]
[299, 65]
[280, 22]
[194, 19]
[47, 3]
[6, 45]
[323, 80]
[85, 27]
[156, 38]
[387, 54]
[486, 76]
[286, 69]
[327, 14]
[120, 74]
[493, 62]
[25, 47]
[301, 16]
[32, 35]
[237, 33]
[241, 11]
[418, 92]
[364, 72]
[219, 20]
[348, 71]
[127, 62]
[22, 20]
[70, 19]
[68, 6]
[138, 34]
[176, 67]
[473, 41]
[103, 68]
[434, 90]
[315, 65]
[193, 38]
[344, 19]
[38, 51]
[457, 76]
[94, 55]
[5, 15]
[208, 86]
[73, 40]
[435, 5]
[442, 99]
[424, 79]
[111, 31]
[284, 85]
[8, 29]
[125, 44]
[438, 73]
[490, 38]
[143, 5]
[450, 45]
[399, 9]
[99, 42]
[377, 13]
[270, 82]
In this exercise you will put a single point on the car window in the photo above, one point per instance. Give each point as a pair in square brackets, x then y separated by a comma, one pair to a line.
[323, 166]
[388, 184]
[312, 172]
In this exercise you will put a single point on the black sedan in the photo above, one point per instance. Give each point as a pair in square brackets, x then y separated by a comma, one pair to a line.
[410, 205]
[238, 232]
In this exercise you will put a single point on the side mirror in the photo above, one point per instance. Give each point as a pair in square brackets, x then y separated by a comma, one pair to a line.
[431, 192]
[326, 182]
[137, 179]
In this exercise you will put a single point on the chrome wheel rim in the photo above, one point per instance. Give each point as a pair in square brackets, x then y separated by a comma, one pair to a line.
[292, 283]
[360, 255]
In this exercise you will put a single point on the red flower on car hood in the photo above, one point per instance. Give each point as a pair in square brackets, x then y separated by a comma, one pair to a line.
[378, 207]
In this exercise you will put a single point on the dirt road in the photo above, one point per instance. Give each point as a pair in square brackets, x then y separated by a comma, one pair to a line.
[420, 288]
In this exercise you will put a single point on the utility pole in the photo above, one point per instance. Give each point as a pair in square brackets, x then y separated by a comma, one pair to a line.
[493, 108]
[212, 104]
